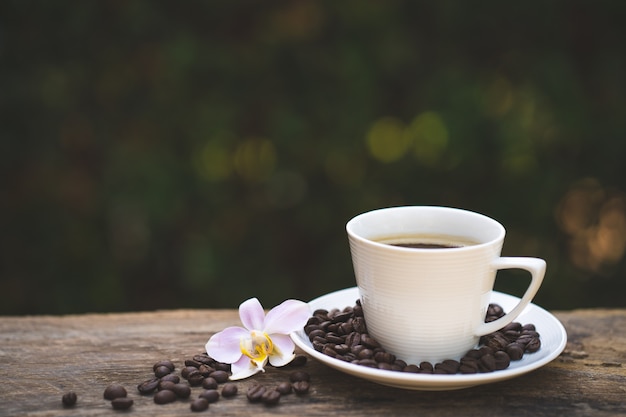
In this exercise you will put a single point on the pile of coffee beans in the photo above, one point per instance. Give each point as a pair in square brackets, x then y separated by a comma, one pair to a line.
[299, 382]
[342, 334]
[203, 373]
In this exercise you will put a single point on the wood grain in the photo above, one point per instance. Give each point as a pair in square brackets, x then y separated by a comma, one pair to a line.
[42, 357]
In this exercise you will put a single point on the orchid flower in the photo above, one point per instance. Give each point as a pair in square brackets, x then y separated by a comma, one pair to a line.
[262, 339]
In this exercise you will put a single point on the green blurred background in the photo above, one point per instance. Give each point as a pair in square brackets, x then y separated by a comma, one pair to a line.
[177, 154]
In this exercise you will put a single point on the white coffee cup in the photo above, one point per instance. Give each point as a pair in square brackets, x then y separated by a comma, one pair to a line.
[429, 304]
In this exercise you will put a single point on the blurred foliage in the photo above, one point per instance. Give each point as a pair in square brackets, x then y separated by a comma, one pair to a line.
[194, 154]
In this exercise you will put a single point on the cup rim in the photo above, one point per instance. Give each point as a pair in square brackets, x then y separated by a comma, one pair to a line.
[354, 220]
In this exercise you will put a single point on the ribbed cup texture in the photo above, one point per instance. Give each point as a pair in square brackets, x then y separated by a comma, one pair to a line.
[424, 305]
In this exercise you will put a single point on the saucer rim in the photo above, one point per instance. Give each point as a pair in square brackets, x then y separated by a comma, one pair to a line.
[433, 381]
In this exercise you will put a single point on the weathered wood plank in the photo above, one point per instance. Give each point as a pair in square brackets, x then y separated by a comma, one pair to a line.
[43, 357]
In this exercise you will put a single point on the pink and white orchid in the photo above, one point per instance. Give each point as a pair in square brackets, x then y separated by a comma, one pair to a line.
[262, 339]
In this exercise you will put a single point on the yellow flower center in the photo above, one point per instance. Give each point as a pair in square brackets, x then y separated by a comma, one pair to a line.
[258, 348]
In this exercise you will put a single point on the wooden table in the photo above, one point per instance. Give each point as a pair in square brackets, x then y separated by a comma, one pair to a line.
[42, 357]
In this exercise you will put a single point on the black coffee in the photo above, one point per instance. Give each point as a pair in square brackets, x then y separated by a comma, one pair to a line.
[424, 245]
[425, 241]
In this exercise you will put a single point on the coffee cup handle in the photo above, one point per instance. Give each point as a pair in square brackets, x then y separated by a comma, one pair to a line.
[537, 269]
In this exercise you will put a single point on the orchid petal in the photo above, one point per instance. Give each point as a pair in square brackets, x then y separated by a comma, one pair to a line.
[251, 314]
[283, 350]
[287, 317]
[243, 368]
[225, 345]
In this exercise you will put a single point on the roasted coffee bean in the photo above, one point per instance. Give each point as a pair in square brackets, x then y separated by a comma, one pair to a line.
[188, 370]
[384, 366]
[358, 311]
[515, 351]
[161, 371]
[301, 387]
[384, 357]
[205, 370]
[497, 341]
[255, 393]
[211, 395]
[220, 366]
[114, 391]
[371, 363]
[317, 333]
[182, 390]
[353, 339]
[270, 397]
[284, 388]
[529, 326]
[321, 312]
[365, 354]
[341, 349]
[168, 385]
[412, 368]
[533, 345]
[329, 351]
[515, 326]
[219, 376]
[209, 383]
[122, 403]
[319, 346]
[313, 320]
[502, 360]
[358, 324]
[341, 317]
[494, 310]
[199, 404]
[205, 359]
[192, 362]
[299, 376]
[165, 396]
[334, 338]
[196, 378]
[448, 366]
[229, 390]
[172, 378]
[487, 363]
[468, 365]
[369, 341]
[167, 363]
[69, 399]
[148, 387]
[426, 367]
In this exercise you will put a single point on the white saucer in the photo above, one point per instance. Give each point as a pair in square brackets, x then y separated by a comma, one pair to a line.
[553, 340]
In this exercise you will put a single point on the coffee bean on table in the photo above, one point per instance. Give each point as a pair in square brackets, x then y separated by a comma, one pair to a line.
[166, 385]
[255, 393]
[270, 397]
[167, 363]
[114, 391]
[219, 376]
[122, 403]
[209, 383]
[195, 379]
[162, 371]
[301, 387]
[69, 399]
[164, 397]
[211, 395]
[229, 390]
[171, 377]
[148, 387]
[284, 388]
[199, 404]
[182, 390]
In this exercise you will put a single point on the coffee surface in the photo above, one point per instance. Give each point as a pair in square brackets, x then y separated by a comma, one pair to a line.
[426, 241]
